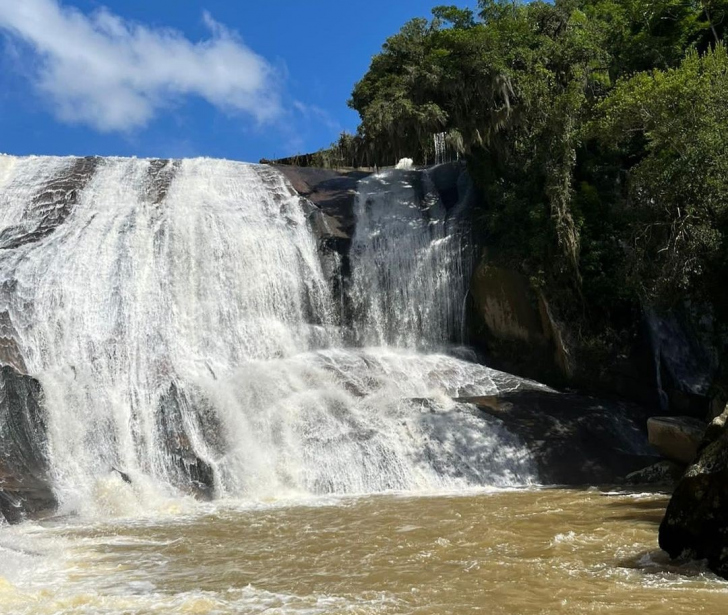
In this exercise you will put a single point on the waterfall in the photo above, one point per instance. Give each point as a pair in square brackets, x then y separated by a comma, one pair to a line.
[409, 263]
[185, 336]
[440, 147]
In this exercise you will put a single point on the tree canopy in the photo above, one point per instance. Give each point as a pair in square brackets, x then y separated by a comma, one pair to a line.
[595, 129]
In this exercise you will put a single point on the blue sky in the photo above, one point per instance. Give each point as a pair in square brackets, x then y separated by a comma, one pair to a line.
[238, 79]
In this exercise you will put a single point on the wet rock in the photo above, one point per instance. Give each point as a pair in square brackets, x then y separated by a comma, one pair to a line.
[52, 205]
[25, 489]
[185, 468]
[663, 473]
[696, 520]
[453, 184]
[685, 358]
[161, 174]
[333, 193]
[676, 438]
[574, 439]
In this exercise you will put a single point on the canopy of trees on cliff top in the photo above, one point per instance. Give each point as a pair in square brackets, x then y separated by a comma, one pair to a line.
[597, 131]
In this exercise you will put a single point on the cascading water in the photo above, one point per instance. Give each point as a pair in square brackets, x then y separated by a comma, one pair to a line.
[178, 320]
[440, 141]
[409, 263]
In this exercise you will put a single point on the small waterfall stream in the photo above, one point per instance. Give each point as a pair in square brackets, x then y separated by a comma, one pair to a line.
[409, 263]
[178, 319]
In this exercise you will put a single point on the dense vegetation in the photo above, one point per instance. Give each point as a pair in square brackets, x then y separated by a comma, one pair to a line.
[596, 129]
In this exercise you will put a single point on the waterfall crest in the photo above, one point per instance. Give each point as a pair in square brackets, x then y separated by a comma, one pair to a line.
[178, 319]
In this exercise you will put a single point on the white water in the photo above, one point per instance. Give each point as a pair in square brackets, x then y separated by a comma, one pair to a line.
[178, 319]
[440, 147]
[409, 267]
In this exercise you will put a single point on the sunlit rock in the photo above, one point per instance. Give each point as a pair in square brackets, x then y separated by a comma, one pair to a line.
[676, 438]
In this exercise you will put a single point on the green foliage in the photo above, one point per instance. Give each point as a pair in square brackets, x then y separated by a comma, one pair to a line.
[678, 191]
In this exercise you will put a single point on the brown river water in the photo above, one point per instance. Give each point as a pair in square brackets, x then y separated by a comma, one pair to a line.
[514, 552]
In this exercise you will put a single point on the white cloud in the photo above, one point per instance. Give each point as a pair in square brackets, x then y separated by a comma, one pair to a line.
[312, 112]
[115, 75]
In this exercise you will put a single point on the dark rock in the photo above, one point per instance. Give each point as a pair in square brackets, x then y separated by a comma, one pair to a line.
[25, 489]
[185, 468]
[574, 439]
[514, 324]
[10, 354]
[696, 520]
[685, 360]
[329, 197]
[123, 475]
[161, 174]
[663, 473]
[53, 204]
[333, 193]
[453, 183]
[676, 438]
[669, 361]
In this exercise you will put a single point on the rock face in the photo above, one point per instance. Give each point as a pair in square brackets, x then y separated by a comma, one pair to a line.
[513, 322]
[52, 205]
[330, 198]
[24, 487]
[676, 438]
[188, 472]
[696, 520]
[333, 193]
[574, 439]
[669, 361]
[686, 359]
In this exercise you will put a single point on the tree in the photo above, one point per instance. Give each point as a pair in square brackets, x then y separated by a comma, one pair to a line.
[679, 189]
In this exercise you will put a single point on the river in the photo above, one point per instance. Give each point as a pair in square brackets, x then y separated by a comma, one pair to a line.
[513, 552]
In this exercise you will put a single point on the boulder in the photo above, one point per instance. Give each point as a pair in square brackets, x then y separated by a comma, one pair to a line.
[696, 520]
[676, 437]
[665, 473]
[575, 440]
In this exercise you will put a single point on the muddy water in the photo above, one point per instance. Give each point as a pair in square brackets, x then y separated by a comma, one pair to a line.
[548, 551]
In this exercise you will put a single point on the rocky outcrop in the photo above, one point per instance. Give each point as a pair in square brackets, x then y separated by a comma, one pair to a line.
[333, 193]
[25, 489]
[186, 470]
[574, 439]
[453, 184]
[664, 473]
[696, 520]
[676, 438]
[513, 322]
